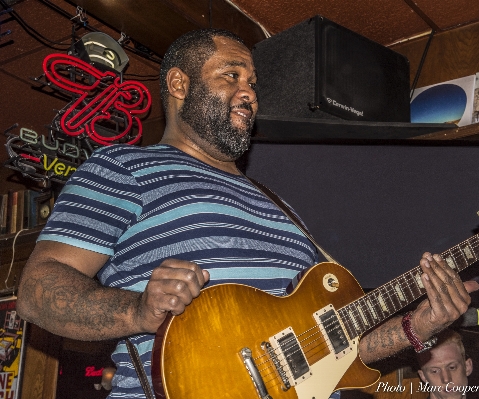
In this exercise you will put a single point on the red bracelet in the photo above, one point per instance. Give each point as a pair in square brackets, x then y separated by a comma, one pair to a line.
[414, 340]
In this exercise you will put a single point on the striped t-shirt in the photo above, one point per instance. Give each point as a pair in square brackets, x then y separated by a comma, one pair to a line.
[142, 205]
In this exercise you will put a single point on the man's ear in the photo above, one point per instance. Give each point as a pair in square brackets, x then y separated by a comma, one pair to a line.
[421, 376]
[178, 83]
[469, 366]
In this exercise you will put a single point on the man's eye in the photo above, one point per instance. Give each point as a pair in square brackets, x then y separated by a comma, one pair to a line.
[232, 75]
[252, 85]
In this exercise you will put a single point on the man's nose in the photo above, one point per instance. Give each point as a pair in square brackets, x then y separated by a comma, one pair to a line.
[446, 376]
[246, 93]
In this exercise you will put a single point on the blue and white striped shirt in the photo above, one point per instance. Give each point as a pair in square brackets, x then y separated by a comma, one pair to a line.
[142, 205]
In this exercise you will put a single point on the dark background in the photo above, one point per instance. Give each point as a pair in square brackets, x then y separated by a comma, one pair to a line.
[374, 208]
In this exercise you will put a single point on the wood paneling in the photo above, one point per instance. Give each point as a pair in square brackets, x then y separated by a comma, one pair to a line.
[41, 364]
[156, 24]
[452, 54]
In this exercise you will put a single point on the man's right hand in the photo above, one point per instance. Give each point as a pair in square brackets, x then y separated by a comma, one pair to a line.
[172, 286]
[58, 292]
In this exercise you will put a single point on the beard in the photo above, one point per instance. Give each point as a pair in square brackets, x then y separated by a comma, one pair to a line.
[210, 118]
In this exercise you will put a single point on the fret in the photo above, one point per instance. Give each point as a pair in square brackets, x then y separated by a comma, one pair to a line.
[411, 282]
[350, 326]
[365, 312]
[382, 303]
[392, 297]
[474, 245]
[451, 262]
[417, 277]
[347, 322]
[469, 254]
[352, 317]
[363, 317]
[371, 309]
[358, 323]
[399, 293]
[406, 288]
[468, 251]
[459, 258]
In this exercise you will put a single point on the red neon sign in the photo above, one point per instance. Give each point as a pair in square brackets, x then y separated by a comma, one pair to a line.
[99, 99]
[91, 372]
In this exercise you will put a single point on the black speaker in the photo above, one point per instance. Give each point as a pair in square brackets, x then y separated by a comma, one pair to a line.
[319, 69]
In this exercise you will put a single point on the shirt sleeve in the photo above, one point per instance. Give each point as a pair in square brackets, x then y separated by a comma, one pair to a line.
[97, 205]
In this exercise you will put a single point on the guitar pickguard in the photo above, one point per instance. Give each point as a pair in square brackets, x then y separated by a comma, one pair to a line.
[328, 372]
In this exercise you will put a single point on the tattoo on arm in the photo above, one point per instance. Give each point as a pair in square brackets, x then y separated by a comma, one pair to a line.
[71, 301]
[384, 341]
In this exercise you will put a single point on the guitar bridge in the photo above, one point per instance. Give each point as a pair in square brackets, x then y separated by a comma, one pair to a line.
[253, 371]
[333, 332]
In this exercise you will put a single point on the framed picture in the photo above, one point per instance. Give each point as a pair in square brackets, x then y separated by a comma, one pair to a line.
[12, 348]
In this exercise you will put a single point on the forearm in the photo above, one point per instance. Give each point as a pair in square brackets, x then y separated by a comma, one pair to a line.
[66, 302]
[383, 341]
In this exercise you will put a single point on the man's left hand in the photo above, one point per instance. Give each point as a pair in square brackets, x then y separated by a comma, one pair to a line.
[447, 297]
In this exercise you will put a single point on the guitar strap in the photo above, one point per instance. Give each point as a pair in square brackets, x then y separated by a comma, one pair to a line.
[287, 211]
[135, 357]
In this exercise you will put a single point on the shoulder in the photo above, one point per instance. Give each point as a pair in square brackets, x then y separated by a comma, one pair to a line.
[124, 151]
[128, 157]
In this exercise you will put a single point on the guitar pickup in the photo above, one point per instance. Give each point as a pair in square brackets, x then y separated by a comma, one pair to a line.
[288, 357]
[333, 331]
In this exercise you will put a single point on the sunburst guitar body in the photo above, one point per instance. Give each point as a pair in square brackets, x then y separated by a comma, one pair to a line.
[238, 342]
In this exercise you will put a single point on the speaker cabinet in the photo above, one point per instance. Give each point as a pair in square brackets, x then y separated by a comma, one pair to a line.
[319, 69]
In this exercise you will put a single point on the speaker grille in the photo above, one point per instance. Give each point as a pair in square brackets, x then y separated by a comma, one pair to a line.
[319, 69]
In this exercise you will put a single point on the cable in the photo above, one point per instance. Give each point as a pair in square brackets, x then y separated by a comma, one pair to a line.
[92, 29]
[32, 31]
[265, 31]
[11, 263]
[421, 63]
[143, 78]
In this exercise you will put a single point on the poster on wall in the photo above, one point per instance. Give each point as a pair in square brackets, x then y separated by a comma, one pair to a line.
[446, 102]
[12, 334]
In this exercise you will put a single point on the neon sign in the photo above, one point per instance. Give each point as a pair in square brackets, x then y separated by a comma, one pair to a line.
[41, 159]
[103, 110]
[100, 98]
[90, 371]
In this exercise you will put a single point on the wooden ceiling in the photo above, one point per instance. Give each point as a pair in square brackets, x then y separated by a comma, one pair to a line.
[156, 23]
[384, 21]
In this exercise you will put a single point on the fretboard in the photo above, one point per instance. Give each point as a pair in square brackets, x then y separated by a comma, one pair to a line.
[384, 301]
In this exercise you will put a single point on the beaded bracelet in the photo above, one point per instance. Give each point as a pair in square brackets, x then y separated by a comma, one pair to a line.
[414, 340]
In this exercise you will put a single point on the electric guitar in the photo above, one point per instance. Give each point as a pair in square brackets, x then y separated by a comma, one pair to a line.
[238, 342]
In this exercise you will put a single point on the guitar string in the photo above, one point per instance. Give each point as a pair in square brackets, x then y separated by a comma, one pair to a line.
[278, 353]
[361, 322]
[271, 368]
[455, 251]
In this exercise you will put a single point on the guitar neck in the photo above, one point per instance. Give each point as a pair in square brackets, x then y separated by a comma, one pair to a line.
[384, 301]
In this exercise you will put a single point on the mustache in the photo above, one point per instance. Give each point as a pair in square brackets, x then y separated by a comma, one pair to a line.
[243, 105]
